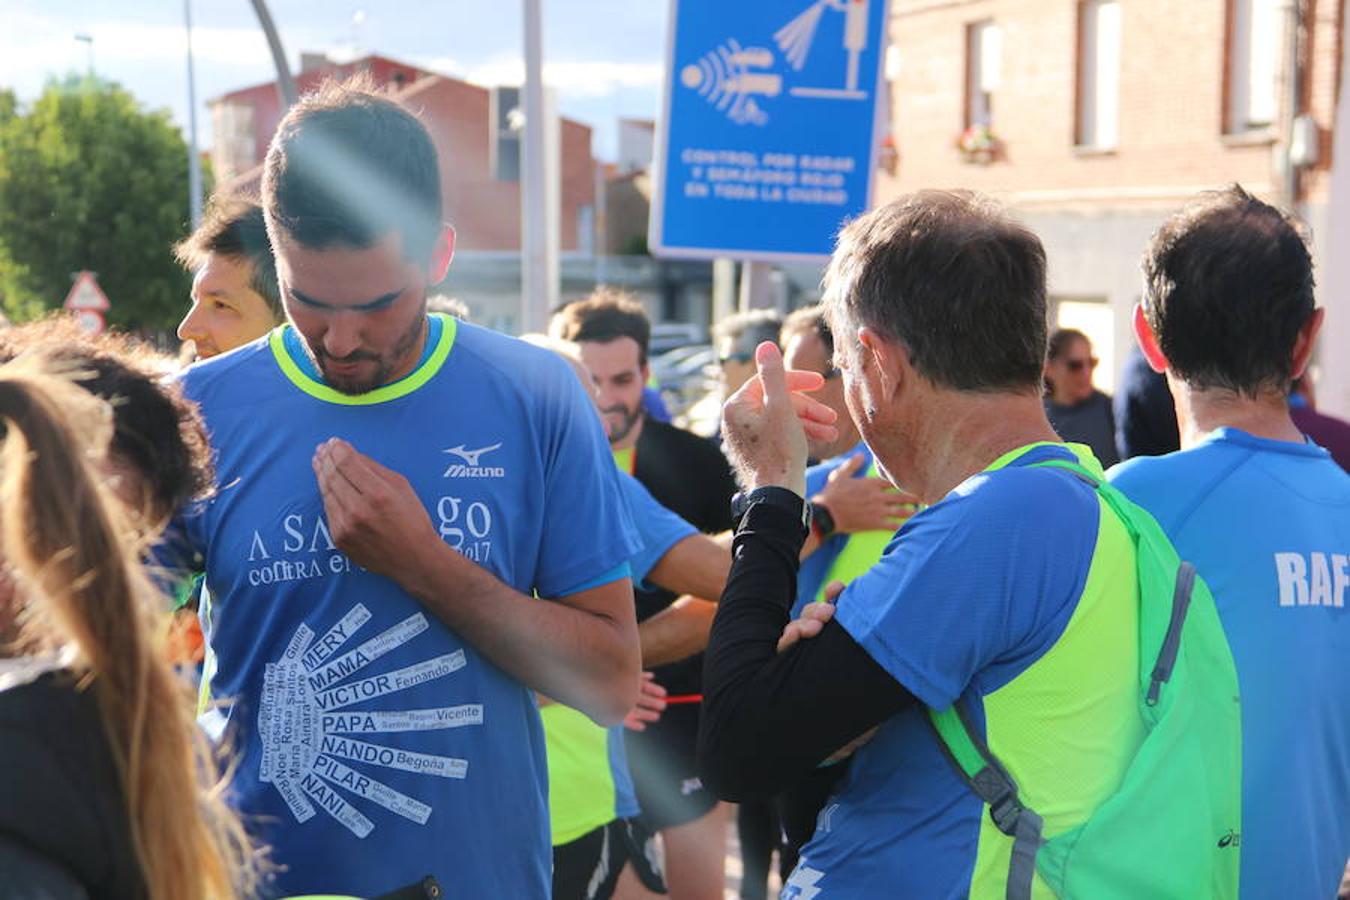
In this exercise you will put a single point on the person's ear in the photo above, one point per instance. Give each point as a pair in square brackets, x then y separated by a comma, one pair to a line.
[1148, 342]
[883, 361]
[1306, 341]
[442, 255]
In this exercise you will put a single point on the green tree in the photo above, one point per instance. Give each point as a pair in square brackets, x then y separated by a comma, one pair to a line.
[90, 180]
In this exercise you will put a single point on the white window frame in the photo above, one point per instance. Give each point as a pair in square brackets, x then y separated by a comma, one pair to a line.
[1099, 42]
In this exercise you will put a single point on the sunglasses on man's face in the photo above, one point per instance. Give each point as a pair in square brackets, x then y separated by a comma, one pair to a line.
[735, 358]
[1078, 365]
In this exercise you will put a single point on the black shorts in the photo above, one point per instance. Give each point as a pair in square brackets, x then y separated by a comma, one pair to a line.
[665, 773]
[588, 868]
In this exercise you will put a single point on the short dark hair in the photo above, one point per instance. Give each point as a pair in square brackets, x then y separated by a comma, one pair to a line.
[1061, 339]
[156, 430]
[954, 279]
[606, 315]
[347, 167]
[234, 226]
[1228, 283]
[809, 320]
[749, 329]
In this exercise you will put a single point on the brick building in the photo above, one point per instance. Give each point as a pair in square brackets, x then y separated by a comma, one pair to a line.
[479, 151]
[1095, 118]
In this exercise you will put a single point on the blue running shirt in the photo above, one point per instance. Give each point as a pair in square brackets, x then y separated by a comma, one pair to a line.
[590, 784]
[375, 745]
[1267, 524]
[969, 594]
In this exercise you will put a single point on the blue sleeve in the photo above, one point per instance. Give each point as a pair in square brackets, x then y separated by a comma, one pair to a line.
[972, 590]
[587, 530]
[658, 528]
[655, 404]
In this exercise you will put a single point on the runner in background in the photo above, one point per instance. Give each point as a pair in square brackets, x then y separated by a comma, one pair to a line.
[106, 786]
[1264, 514]
[1326, 431]
[1145, 414]
[234, 281]
[1078, 412]
[735, 339]
[419, 526]
[688, 476]
[234, 301]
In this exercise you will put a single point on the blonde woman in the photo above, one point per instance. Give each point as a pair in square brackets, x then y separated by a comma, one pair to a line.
[106, 787]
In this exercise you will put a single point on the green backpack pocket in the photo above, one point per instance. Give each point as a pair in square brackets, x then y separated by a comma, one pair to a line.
[1170, 829]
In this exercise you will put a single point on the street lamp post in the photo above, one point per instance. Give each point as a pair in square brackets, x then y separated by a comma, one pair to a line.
[285, 83]
[194, 158]
[533, 193]
[88, 41]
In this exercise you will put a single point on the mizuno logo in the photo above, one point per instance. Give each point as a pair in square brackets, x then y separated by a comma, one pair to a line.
[470, 467]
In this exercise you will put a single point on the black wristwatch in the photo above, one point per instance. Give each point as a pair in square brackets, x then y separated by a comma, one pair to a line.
[786, 500]
[822, 519]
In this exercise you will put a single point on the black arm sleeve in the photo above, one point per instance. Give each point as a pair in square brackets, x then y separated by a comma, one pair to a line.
[770, 718]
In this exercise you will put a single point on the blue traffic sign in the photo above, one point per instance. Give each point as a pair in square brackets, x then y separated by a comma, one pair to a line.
[769, 134]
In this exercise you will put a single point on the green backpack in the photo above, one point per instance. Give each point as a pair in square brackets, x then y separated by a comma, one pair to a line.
[1171, 827]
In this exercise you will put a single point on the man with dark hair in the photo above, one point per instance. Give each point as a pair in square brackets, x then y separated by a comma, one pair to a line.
[1264, 514]
[689, 476]
[234, 282]
[418, 528]
[937, 306]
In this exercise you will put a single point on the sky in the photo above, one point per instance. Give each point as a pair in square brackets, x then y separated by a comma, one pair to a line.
[603, 57]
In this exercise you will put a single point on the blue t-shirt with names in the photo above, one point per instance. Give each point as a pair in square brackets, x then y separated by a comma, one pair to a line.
[969, 593]
[1267, 524]
[375, 745]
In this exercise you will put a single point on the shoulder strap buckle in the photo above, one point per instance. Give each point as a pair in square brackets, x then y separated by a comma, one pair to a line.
[999, 792]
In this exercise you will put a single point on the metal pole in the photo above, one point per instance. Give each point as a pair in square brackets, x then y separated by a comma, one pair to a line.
[194, 158]
[1289, 171]
[88, 41]
[285, 84]
[533, 216]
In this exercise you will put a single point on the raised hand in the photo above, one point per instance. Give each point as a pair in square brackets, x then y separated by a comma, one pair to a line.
[765, 424]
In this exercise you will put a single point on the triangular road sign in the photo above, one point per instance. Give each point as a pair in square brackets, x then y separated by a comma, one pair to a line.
[86, 294]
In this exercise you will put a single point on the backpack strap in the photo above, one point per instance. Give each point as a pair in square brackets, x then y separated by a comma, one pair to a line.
[986, 777]
[1182, 587]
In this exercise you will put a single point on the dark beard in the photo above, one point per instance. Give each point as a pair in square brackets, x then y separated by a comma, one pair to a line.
[630, 420]
[384, 368]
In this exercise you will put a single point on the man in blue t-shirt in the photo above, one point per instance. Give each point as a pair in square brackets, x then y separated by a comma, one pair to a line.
[982, 599]
[418, 525]
[1228, 314]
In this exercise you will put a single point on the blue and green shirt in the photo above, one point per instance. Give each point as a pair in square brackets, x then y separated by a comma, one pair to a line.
[1015, 596]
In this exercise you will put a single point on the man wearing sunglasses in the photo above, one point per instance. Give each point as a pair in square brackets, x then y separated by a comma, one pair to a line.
[1079, 412]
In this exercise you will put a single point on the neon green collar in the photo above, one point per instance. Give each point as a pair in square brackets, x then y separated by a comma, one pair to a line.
[401, 388]
[1082, 451]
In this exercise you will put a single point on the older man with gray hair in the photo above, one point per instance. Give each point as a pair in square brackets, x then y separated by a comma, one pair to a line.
[982, 602]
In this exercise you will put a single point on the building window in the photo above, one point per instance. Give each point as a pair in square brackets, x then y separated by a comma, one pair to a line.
[1098, 73]
[504, 134]
[984, 52]
[1255, 30]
